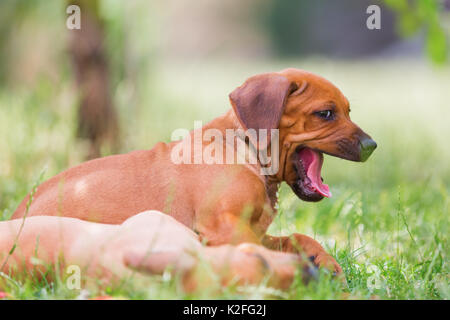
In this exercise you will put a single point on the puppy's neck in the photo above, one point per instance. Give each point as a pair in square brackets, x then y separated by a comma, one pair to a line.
[230, 121]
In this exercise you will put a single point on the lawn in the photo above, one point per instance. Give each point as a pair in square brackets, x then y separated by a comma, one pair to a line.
[387, 222]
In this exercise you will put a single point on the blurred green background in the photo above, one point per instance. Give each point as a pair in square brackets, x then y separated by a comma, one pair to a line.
[163, 64]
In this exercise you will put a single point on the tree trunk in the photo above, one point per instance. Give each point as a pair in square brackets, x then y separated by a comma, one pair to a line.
[97, 118]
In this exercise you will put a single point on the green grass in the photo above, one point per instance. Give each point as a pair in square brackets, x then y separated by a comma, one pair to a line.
[387, 222]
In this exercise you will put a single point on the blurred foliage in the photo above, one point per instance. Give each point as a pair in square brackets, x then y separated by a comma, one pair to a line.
[417, 15]
[10, 11]
[329, 28]
[333, 27]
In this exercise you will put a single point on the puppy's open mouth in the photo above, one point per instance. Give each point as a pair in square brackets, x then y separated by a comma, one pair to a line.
[308, 165]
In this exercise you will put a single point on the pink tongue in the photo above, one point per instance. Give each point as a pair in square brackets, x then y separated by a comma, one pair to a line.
[313, 161]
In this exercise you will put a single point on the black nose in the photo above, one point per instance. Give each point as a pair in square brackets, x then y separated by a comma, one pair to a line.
[367, 146]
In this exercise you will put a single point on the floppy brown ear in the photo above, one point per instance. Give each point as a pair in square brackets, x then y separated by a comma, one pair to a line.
[259, 103]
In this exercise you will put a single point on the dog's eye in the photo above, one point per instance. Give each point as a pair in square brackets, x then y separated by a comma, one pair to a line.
[325, 114]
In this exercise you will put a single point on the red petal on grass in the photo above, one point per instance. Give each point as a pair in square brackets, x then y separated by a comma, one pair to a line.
[109, 298]
[103, 298]
[4, 295]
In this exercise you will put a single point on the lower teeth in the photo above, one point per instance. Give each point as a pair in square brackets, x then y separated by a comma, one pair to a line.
[303, 167]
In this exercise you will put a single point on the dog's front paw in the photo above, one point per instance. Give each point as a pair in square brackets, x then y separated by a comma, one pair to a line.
[303, 244]
[324, 260]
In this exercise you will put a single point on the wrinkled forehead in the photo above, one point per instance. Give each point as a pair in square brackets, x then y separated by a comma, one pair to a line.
[317, 86]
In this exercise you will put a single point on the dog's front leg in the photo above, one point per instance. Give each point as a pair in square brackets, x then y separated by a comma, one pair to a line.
[226, 228]
[299, 243]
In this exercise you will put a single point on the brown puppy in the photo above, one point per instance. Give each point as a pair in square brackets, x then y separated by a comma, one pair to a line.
[223, 203]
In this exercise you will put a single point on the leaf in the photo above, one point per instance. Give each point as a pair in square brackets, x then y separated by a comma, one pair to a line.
[436, 44]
